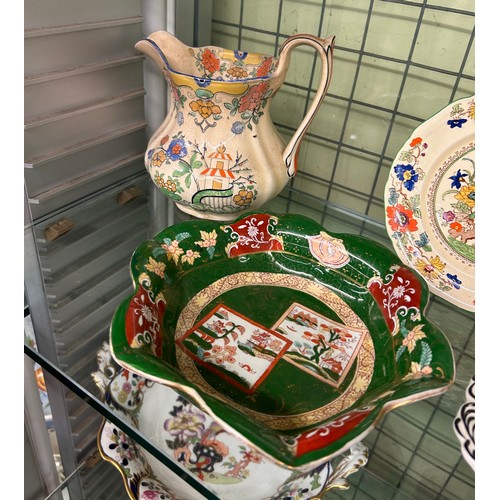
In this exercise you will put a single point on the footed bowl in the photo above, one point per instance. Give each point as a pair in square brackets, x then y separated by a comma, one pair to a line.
[291, 338]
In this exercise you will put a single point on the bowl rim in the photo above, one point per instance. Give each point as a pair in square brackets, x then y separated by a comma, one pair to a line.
[272, 444]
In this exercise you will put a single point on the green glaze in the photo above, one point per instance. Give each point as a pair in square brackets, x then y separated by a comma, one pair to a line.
[195, 268]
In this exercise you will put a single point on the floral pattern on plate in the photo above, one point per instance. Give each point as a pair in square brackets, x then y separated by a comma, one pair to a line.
[430, 202]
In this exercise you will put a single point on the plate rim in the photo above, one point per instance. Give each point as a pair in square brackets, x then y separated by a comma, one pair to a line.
[429, 122]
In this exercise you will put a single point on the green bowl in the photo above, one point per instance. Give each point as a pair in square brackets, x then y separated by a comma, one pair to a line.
[295, 339]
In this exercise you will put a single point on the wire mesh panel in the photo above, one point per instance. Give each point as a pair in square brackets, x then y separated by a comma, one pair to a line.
[396, 64]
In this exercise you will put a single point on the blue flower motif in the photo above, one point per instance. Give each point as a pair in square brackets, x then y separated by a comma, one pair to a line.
[177, 149]
[240, 55]
[454, 280]
[150, 153]
[456, 123]
[422, 241]
[180, 118]
[457, 179]
[237, 128]
[407, 174]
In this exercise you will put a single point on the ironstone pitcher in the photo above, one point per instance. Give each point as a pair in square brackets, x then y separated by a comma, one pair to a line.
[217, 154]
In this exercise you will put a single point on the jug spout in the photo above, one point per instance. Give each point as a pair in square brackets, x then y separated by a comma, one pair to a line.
[160, 43]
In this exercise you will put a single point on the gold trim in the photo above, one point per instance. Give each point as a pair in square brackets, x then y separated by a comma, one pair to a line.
[366, 357]
[113, 462]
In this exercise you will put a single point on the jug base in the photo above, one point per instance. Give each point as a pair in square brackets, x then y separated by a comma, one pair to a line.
[201, 214]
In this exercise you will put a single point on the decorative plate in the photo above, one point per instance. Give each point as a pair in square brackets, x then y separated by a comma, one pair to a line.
[293, 338]
[200, 445]
[430, 202]
[465, 424]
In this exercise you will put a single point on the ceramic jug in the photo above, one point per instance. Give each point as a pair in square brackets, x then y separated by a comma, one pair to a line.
[217, 154]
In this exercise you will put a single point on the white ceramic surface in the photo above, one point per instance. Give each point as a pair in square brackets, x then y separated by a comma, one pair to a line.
[430, 202]
[223, 462]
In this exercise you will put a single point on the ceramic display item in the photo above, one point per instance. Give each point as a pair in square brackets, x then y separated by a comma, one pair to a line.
[464, 425]
[292, 337]
[226, 464]
[430, 200]
[217, 154]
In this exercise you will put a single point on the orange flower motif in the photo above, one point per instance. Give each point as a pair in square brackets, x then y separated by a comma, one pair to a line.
[243, 198]
[170, 186]
[159, 180]
[158, 158]
[210, 62]
[237, 72]
[254, 97]
[456, 226]
[416, 141]
[264, 68]
[205, 108]
[401, 219]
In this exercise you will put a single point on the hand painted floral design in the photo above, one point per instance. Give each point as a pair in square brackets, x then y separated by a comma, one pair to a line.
[237, 72]
[158, 158]
[233, 347]
[243, 198]
[401, 219]
[250, 105]
[431, 267]
[173, 250]
[398, 295]
[144, 317]
[217, 181]
[190, 256]
[177, 149]
[253, 99]
[156, 267]
[208, 239]
[404, 213]
[407, 174]
[458, 114]
[206, 109]
[121, 449]
[253, 234]
[321, 347]
[210, 61]
[411, 337]
[227, 65]
[457, 215]
[198, 442]
[265, 68]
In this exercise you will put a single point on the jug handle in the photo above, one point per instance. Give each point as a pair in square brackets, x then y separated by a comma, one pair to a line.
[325, 50]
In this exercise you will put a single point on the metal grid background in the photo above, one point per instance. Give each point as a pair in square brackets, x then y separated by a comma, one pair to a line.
[414, 448]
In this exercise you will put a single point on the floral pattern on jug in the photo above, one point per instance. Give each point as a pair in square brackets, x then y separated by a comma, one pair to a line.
[221, 182]
[218, 153]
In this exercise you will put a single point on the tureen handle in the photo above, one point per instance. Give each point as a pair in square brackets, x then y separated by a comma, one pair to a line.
[325, 50]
